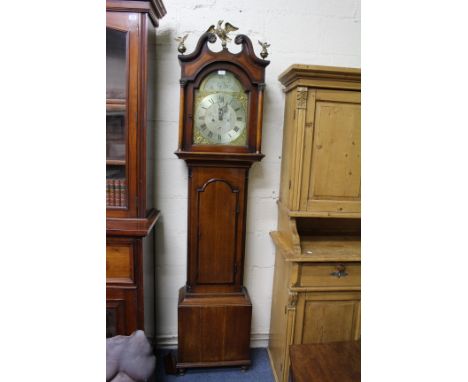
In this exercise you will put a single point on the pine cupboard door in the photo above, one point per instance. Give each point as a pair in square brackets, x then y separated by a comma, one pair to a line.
[328, 317]
[122, 63]
[326, 165]
[332, 154]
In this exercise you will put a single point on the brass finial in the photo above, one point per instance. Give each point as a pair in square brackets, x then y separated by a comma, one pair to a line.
[181, 47]
[264, 52]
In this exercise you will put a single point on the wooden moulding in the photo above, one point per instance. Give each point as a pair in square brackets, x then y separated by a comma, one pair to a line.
[139, 227]
[217, 156]
[321, 77]
[155, 8]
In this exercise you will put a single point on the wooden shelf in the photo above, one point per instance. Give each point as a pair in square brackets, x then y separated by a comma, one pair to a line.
[116, 162]
[320, 248]
[116, 105]
[116, 101]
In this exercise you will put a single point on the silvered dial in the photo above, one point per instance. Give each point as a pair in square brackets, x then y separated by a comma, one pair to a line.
[220, 110]
[220, 118]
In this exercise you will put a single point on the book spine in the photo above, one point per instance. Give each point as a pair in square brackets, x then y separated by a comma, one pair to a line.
[107, 192]
[117, 192]
[112, 193]
[123, 193]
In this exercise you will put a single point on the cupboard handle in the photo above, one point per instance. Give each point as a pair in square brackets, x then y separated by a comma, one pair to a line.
[340, 271]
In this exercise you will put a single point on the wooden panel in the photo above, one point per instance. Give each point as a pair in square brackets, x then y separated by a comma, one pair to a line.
[279, 333]
[336, 157]
[115, 317]
[333, 362]
[119, 263]
[237, 323]
[128, 321]
[224, 320]
[217, 217]
[328, 317]
[320, 275]
[329, 321]
[216, 228]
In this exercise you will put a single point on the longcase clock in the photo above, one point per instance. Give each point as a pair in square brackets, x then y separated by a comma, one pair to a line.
[220, 129]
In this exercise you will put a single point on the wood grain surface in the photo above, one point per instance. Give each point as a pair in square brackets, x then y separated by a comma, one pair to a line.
[331, 362]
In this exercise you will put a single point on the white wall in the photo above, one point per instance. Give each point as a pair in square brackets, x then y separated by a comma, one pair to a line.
[315, 32]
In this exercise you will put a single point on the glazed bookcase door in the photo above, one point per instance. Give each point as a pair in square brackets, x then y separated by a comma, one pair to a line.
[121, 112]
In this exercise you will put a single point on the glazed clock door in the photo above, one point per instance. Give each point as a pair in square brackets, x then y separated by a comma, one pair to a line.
[122, 51]
[216, 228]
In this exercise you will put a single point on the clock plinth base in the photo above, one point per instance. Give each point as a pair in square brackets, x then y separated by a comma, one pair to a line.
[214, 329]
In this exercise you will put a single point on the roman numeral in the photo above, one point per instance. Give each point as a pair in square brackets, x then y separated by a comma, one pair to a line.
[237, 109]
[211, 101]
[219, 137]
[236, 129]
[210, 134]
[239, 118]
[203, 127]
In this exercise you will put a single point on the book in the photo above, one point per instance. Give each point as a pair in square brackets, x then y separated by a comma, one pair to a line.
[117, 192]
[111, 192]
[123, 193]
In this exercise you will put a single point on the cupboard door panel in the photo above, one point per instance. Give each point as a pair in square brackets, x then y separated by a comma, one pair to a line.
[336, 157]
[121, 307]
[328, 317]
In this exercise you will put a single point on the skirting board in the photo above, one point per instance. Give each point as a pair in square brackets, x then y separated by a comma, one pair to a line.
[257, 340]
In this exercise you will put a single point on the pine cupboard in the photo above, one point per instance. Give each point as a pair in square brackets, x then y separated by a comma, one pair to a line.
[317, 280]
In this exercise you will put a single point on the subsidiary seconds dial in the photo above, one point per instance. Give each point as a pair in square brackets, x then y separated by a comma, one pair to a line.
[220, 118]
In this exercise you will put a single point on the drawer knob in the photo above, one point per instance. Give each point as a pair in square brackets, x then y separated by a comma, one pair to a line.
[340, 271]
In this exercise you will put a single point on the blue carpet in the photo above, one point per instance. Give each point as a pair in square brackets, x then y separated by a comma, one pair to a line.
[259, 371]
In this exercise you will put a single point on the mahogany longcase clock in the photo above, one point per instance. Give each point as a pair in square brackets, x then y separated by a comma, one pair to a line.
[220, 129]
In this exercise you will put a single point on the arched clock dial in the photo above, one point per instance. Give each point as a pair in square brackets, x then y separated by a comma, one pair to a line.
[220, 111]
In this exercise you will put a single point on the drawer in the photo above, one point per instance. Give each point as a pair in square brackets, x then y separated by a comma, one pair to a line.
[119, 263]
[331, 275]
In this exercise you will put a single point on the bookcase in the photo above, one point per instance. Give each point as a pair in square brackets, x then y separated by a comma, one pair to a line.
[317, 279]
[130, 138]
